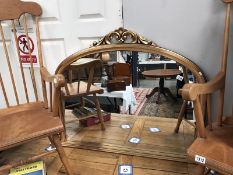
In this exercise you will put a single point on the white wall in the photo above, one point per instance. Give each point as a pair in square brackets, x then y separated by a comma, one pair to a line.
[193, 28]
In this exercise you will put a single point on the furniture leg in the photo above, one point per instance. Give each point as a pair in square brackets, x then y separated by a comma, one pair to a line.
[169, 93]
[156, 89]
[116, 106]
[161, 89]
[130, 109]
[99, 111]
[209, 112]
[57, 143]
[161, 83]
[180, 116]
[165, 95]
[62, 110]
[82, 102]
[158, 98]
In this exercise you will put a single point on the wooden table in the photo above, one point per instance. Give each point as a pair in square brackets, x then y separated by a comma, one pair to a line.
[161, 73]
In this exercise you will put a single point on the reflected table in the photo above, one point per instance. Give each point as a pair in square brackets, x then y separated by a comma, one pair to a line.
[128, 97]
[161, 73]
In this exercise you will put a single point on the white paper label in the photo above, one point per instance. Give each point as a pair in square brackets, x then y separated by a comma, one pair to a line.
[134, 140]
[125, 126]
[200, 159]
[154, 130]
[179, 77]
[125, 170]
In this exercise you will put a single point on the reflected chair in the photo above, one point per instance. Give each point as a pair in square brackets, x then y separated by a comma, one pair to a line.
[78, 89]
[122, 71]
[23, 116]
[213, 148]
[184, 106]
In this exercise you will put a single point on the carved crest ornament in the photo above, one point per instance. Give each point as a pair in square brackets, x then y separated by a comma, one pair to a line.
[123, 36]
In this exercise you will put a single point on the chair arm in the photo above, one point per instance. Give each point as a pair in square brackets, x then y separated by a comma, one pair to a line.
[58, 79]
[191, 91]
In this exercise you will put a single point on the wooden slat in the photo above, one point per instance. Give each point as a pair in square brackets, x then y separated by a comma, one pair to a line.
[226, 38]
[90, 78]
[224, 63]
[209, 112]
[181, 115]
[185, 74]
[220, 106]
[51, 95]
[4, 91]
[44, 90]
[31, 60]
[9, 64]
[21, 66]
[199, 118]
[39, 42]
[136, 131]
[55, 140]
[99, 113]
[67, 89]
[78, 90]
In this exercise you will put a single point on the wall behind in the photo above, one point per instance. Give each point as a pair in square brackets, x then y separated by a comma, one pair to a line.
[193, 28]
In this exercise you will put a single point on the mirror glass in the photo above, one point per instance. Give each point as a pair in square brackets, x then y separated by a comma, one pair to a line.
[152, 80]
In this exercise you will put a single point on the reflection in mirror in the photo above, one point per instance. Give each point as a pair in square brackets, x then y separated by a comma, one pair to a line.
[79, 69]
[155, 78]
[159, 91]
[137, 76]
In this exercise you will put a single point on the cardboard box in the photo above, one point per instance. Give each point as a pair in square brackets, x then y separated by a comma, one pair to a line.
[95, 120]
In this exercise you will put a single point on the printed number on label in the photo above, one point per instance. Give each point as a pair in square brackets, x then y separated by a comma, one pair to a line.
[179, 77]
[200, 159]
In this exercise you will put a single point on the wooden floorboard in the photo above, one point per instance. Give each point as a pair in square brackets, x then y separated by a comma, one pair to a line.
[95, 152]
[165, 144]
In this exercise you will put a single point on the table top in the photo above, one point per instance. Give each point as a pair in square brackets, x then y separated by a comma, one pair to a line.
[161, 73]
[127, 96]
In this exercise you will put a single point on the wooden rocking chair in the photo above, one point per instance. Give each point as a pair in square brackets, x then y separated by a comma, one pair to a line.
[24, 117]
[214, 147]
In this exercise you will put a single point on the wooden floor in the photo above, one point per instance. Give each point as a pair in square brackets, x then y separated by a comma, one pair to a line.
[95, 152]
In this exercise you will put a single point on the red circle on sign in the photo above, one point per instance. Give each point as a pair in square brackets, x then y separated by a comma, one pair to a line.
[22, 39]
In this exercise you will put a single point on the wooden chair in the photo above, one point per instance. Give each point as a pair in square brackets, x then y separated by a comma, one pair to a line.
[27, 118]
[214, 146]
[122, 71]
[79, 89]
[183, 108]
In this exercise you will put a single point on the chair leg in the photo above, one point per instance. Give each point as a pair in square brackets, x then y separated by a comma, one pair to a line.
[62, 115]
[180, 116]
[82, 102]
[55, 140]
[99, 111]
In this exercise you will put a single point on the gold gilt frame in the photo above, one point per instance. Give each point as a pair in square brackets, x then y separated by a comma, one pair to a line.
[126, 40]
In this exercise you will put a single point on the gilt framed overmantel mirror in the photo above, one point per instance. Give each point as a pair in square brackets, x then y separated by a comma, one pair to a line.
[160, 71]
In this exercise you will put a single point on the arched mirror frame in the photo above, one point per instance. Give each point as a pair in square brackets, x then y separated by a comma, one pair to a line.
[125, 40]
